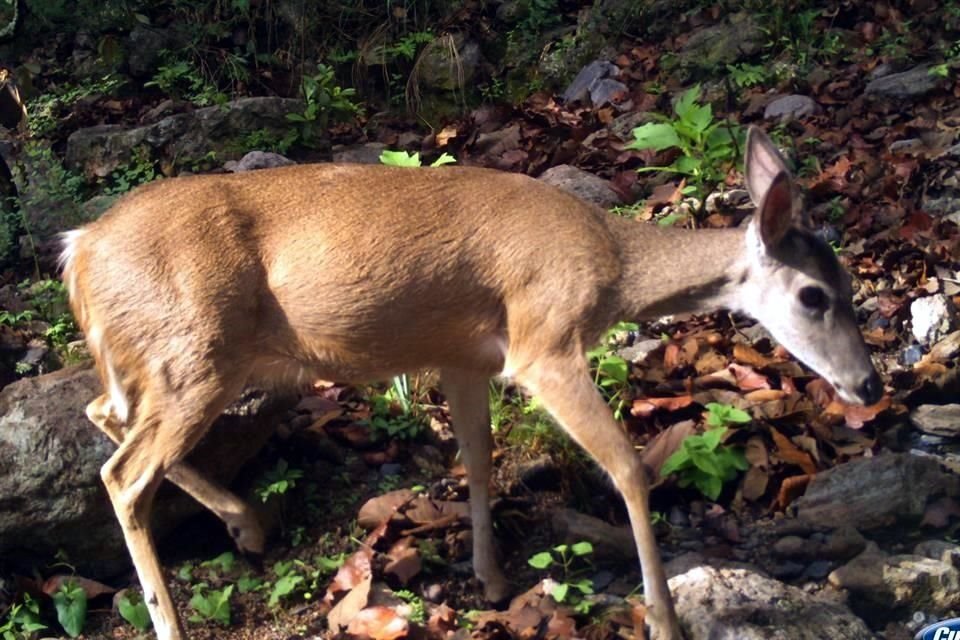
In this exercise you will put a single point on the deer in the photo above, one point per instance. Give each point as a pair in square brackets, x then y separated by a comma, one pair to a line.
[190, 288]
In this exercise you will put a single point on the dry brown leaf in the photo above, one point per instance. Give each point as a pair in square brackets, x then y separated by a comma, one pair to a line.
[350, 605]
[856, 416]
[748, 355]
[561, 626]
[755, 482]
[790, 454]
[446, 134]
[423, 510]
[354, 572]
[765, 395]
[378, 623]
[791, 489]
[756, 452]
[405, 562]
[442, 619]
[91, 588]
[709, 362]
[664, 444]
[748, 379]
[379, 509]
[645, 406]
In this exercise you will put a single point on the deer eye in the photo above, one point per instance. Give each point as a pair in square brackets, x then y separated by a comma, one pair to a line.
[813, 298]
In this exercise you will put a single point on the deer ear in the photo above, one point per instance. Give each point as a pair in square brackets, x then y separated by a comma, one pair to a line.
[763, 164]
[775, 214]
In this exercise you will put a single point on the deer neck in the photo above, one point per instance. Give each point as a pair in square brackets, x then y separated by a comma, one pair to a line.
[668, 271]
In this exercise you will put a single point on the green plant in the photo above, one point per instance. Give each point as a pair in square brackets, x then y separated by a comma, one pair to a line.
[134, 610]
[139, 170]
[324, 100]
[224, 563]
[569, 588]
[248, 583]
[611, 372]
[708, 147]
[22, 621]
[746, 75]
[181, 78]
[405, 159]
[278, 481]
[418, 610]
[286, 583]
[43, 111]
[211, 605]
[722, 415]
[70, 601]
[703, 462]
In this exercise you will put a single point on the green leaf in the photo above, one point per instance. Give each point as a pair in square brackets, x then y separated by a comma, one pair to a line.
[687, 101]
[713, 437]
[400, 158]
[677, 460]
[284, 587]
[541, 560]
[445, 158]
[584, 586]
[709, 485]
[656, 136]
[560, 592]
[615, 368]
[581, 548]
[706, 461]
[70, 601]
[134, 610]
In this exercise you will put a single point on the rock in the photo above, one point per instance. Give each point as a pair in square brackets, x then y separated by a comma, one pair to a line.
[51, 495]
[98, 151]
[937, 419]
[946, 552]
[902, 581]
[608, 91]
[906, 85]
[742, 604]
[579, 89]
[607, 539]
[842, 544]
[911, 355]
[144, 47]
[794, 547]
[874, 492]
[910, 146]
[637, 353]
[818, 569]
[368, 153]
[582, 184]
[723, 43]
[539, 474]
[449, 63]
[623, 125]
[791, 107]
[947, 348]
[932, 317]
[254, 160]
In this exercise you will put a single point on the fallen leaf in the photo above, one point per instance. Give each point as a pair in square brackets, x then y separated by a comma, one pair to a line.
[755, 482]
[643, 407]
[664, 444]
[378, 623]
[405, 562]
[747, 378]
[90, 587]
[790, 454]
[379, 509]
[791, 489]
[442, 619]
[347, 609]
[354, 572]
[856, 416]
[748, 355]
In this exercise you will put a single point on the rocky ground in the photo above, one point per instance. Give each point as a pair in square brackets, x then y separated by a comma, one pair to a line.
[844, 524]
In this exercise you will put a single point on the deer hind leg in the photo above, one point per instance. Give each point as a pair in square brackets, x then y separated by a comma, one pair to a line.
[563, 384]
[466, 393]
[241, 521]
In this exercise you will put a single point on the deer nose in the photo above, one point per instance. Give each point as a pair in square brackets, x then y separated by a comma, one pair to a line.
[871, 389]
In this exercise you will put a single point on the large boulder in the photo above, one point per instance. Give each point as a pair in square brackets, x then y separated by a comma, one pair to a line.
[51, 495]
[184, 137]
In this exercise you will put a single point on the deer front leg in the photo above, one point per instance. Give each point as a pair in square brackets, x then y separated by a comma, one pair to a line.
[242, 524]
[563, 384]
[466, 393]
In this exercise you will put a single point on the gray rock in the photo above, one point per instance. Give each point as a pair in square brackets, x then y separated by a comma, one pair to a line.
[909, 146]
[144, 45]
[254, 160]
[874, 492]
[582, 184]
[608, 540]
[449, 63]
[946, 552]
[791, 107]
[623, 125]
[906, 85]
[947, 348]
[900, 581]
[794, 547]
[51, 495]
[937, 419]
[590, 75]
[607, 91]
[368, 153]
[723, 43]
[742, 604]
[932, 317]
[637, 353]
[98, 151]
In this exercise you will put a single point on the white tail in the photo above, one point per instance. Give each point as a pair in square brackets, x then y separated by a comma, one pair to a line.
[189, 288]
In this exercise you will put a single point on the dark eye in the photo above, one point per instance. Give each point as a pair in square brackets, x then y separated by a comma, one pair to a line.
[813, 298]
